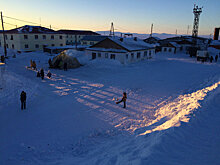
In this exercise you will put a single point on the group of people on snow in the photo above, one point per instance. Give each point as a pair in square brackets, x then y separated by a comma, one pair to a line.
[41, 74]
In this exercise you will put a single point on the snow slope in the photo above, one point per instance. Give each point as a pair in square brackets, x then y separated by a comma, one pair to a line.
[171, 115]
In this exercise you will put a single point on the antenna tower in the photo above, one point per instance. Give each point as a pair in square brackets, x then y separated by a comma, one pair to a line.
[196, 11]
[151, 32]
[112, 31]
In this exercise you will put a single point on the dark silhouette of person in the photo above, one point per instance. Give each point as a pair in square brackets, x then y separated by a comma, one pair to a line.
[23, 100]
[65, 66]
[34, 65]
[124, 98]
[42, 73]
[38, 74]
[49, 74]
[50, 63]
[216, 58]
[211, 59]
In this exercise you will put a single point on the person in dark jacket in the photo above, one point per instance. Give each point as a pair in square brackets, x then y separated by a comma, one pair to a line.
[50, 63]
[23, 100]
[211, 59]
[216, 58]
[65, 66]
[124, 98]
[42, 73]
[49, 74]
[38, 74]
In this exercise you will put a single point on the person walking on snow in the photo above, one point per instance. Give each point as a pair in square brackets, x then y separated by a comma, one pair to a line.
[49, 74]
[124, 98]
[216, 58]
[42, 73]
[65, 66]
[211, 59]
[23, 100]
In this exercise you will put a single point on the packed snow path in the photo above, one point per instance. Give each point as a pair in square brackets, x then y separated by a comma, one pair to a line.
[72, 118]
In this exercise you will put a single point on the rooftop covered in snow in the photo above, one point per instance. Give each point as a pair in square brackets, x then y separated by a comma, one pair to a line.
[121, 44]
[31, 29]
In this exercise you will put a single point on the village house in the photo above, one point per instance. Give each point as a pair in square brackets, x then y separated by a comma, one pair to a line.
[125, 50]
[74, 37]
[32, 38]
[92, 39]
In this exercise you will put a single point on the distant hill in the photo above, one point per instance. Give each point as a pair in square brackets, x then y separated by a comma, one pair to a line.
[143, 36]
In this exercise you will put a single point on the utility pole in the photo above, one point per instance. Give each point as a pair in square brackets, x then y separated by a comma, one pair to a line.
[187, 30]
[112, 30]
[4, 37]
[151, 32]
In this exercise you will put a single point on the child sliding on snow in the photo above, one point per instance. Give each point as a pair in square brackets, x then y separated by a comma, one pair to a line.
[124, 98]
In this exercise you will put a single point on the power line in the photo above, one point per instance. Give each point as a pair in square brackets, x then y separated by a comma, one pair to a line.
[29, 22]
[10, 24]
[21, 20]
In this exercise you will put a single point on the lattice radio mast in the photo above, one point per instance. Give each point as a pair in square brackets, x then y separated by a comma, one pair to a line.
[197, 11]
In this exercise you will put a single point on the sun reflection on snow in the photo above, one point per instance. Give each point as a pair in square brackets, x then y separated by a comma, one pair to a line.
[178, 110]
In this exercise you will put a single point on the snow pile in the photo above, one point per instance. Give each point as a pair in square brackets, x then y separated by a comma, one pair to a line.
[80, 55]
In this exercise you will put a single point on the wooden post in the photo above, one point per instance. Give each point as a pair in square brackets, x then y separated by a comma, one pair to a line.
[3, 31]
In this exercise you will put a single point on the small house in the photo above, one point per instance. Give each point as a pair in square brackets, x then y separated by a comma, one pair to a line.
[125, 50]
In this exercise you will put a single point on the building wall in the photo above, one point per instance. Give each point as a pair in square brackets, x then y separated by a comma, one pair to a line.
[88, 43]
[128, 57]
[28, 42]
[168, 49]
[71, 39]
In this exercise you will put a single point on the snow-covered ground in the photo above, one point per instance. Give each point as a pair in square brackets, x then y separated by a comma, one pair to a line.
[172, 114]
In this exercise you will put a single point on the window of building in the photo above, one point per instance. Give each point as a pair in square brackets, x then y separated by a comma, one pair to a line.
[145, 54]
[93, 55]
[170, 49]
[84, 43]
[165, 49]
[132, 55]
[44, 37]
[91, 43]
[106, 55]
[36, 46]
[67, 36]
[36, 37]
[12, 46]
[52, 37]
[150, 53]
[61, 44]
[6, 37]
[25, 37]
[138, 55]
[12, 37]
[112, 56]
[99, 55]
[26, 46]
[126, 56]
[61, 37]
[6, 45]
[52, 44]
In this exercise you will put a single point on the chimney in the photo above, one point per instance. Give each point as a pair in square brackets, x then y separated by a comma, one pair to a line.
[216, 34]
[135, 38]
[121, 39]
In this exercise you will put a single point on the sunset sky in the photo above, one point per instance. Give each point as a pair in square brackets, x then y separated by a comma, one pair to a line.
[127, 15]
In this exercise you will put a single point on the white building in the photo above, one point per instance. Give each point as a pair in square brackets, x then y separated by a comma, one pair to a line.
[171, 47]
[125, 50]
[32, 38]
